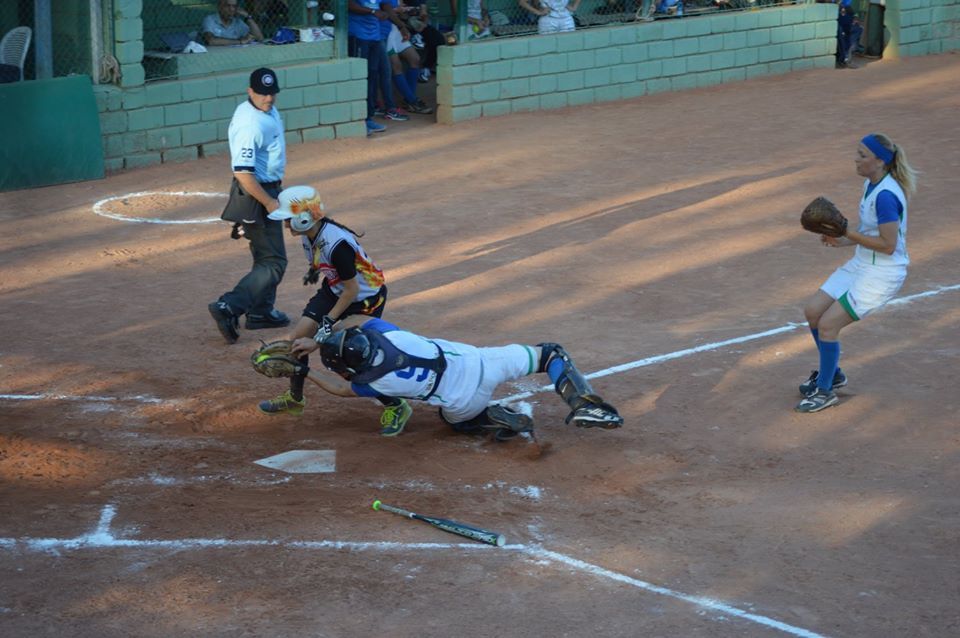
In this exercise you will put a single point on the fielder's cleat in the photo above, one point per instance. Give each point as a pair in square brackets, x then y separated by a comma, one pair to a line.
[394, 418]
[817, 401]
[809, 386]
[275, 319]
[283, 404]
[227, 322]
[507, 423]
[593, 415]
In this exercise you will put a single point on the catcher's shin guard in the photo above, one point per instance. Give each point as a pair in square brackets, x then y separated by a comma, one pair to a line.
[587, 409]
[498, 420]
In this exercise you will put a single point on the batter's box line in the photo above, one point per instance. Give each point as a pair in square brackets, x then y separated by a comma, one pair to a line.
[102, 538]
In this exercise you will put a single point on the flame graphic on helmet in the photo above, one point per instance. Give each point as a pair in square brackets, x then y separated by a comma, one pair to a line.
[313, 205]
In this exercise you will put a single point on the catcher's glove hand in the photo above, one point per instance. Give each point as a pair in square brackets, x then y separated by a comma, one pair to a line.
[822, 217]
[312, 277]
[275, 360]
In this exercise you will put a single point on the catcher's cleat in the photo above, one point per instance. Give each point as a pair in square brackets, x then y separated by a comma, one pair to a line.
[275, 319]
[596, 415]
[227, 322]
[808, 387]
[507, 423]
[283, 404]
[817, 401]
[394, 418]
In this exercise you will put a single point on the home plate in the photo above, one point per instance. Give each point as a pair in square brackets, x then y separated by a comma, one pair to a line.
[302, 461]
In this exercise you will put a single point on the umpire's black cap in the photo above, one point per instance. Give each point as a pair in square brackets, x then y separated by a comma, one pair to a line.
[263, 81]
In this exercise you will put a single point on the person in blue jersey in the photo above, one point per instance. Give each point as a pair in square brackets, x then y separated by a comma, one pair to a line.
[258, 154]
[873, 275]
[364, 41]
[375, 358]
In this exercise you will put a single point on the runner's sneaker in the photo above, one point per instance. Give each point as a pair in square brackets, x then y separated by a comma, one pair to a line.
[817, 401]
[373, 127]
[283, 404]
[396, 115]
[394, 418]
[419, 107]
[809, 386]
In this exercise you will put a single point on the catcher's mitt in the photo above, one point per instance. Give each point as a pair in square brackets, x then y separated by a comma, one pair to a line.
[822, 217]
[275, 360]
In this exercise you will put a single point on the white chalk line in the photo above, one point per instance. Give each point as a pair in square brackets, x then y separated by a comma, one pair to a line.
[98, 208]
[102, 538]
[788, 327]
[639, 363]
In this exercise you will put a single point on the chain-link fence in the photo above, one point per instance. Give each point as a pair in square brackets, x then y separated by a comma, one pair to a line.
[183, 38]
[64, 38]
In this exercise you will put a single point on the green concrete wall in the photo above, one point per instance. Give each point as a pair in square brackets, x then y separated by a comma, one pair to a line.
[499, 76]
[179, 120]
[921, 27]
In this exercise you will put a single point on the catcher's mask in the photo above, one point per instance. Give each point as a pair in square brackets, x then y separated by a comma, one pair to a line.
[347, 352]
[301, 205]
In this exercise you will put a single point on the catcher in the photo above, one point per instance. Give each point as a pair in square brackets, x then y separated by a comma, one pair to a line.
[878, 267]
[351, 284]
[377, 359]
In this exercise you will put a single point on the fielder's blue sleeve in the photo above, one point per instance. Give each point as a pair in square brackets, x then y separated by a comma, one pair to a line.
[889, 208]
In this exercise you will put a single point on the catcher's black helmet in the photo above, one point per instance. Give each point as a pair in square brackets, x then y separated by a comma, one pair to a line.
[347, 352]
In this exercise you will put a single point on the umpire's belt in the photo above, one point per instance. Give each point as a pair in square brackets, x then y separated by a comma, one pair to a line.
[275, 184]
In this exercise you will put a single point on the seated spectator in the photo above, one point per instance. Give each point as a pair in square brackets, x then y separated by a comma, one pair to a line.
[389, 22]
[554, 15]
[478, 18]
[230, 25]
[849, 31]
[423, 36]
[399, 51]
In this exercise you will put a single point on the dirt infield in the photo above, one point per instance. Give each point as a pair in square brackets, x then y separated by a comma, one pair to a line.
[661, 232]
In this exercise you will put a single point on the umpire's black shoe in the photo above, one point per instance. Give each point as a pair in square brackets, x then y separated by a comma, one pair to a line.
[275, 319]
[226, 321]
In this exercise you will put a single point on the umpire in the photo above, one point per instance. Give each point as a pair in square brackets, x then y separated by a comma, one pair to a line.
[258, 154]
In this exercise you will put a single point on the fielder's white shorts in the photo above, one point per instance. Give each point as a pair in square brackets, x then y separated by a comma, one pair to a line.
[395, 42]
[468, 385]
[861, 288]
[555, 24]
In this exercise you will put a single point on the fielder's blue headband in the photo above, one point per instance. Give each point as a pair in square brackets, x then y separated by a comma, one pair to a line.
[878, 149]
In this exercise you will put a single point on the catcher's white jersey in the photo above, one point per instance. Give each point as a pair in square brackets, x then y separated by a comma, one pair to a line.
[469, 381]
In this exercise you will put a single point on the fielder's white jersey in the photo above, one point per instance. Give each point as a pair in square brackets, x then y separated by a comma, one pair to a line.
[257, 143]
[320, 255]
[870, 227]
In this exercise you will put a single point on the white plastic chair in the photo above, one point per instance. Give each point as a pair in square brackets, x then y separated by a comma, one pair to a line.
[13, 47]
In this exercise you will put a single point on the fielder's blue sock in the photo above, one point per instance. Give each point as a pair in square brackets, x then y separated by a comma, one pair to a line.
[829, 362]
[816, 336]
[555, 369]
[401, 81]
[413, 76]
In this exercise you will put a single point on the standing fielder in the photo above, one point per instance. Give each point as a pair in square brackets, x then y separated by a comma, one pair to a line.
[875, 273]
[377, 359]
